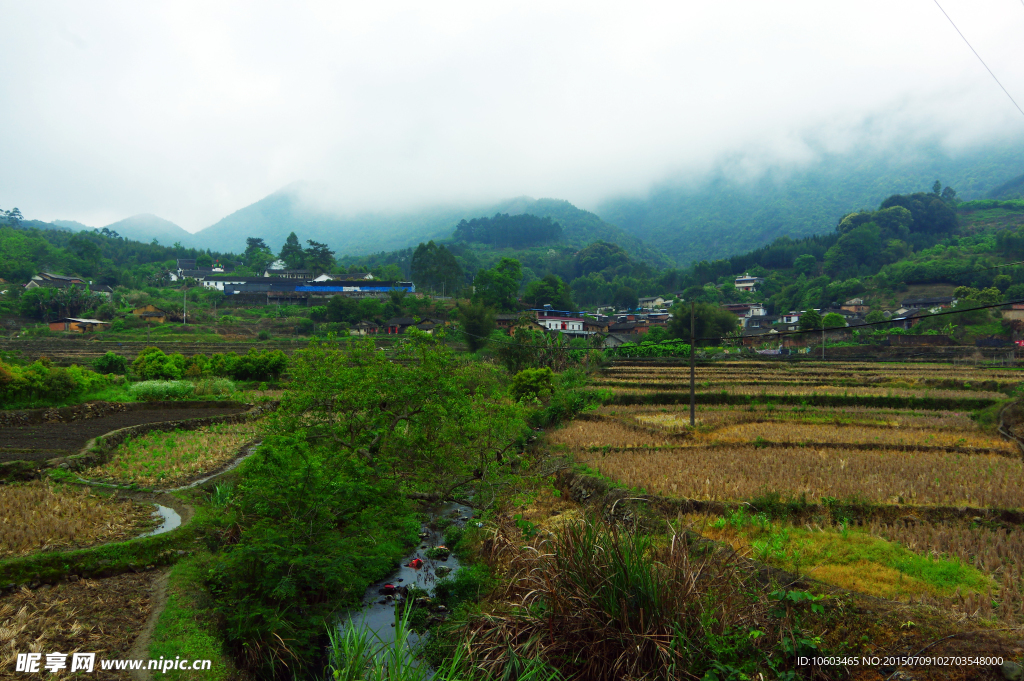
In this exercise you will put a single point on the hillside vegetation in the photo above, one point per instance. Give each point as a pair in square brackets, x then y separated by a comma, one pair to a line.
[725, 216]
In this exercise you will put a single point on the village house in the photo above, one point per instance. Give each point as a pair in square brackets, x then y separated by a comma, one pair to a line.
[1015, 311]
[936, 303]
[150, 313]
[58, 281]
[77, 325]
[651, 303]
[748, 283]
[365, 328]
[856, 306]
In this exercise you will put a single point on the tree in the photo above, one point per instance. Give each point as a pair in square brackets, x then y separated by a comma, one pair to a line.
[257, 254]
[874, 317]
[711, 322]
[810, 321]
[833, 320]
[477, 322]
[937, 188]
[318, 257]
[435, 268]
[292, 254]
[805, 264]
[499, 286]
[625, 298]
[13, 216]
[550, 290]
[204, 260]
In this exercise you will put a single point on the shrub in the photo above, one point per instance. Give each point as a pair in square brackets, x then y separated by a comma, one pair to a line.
[263, 335]
[117, 325]
[304, 326]
[110, 363]
[153, 364]
[42, 380]
[162, 390]
[531, 384]
[214, 386]
[258, 365]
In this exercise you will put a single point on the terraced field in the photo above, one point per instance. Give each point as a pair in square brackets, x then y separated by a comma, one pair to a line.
[888, 479]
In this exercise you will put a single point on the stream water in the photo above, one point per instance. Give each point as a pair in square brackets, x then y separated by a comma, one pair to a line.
[378, 611]
[170, 518]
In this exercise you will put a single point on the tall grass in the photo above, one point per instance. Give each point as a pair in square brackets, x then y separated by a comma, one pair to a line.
[162, 390]
[598, 603]
[359, 654]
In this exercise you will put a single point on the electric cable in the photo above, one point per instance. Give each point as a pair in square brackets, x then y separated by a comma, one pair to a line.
[979, 58]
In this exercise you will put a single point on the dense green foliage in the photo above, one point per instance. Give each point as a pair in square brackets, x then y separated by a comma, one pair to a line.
[43, 381]
[477, 322]
[323, 500]
[725, 216]
[436, 269]
[509, 231]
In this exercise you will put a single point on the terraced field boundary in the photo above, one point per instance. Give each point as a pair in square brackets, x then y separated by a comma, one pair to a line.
[583, 487]
[106, 560]
[98, 450]
[881, 401]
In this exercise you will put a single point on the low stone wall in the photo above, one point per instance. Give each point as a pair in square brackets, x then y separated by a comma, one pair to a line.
[97, 451]
[98, 409]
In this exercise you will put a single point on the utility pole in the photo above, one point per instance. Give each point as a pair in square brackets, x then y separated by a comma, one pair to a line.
[693, 342]
[823, 341]
[184, 307]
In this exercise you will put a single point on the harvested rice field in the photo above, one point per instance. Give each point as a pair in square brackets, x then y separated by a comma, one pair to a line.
[39, 516]
[175, 457]
[912, 447]
[101, 616]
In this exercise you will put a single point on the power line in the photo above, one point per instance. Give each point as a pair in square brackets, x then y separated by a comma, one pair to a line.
[980, 59]
[778, 334]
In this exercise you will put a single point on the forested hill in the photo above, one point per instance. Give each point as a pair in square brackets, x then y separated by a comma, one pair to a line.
[724, 217]
[273, 218]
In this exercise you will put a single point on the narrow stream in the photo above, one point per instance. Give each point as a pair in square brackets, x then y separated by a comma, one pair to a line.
[378, 611]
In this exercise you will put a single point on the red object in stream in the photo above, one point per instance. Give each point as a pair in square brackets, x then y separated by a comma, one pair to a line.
[416, 563]
[388, 589]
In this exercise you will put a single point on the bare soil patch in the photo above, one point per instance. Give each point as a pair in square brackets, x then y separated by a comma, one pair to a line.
[48, 440]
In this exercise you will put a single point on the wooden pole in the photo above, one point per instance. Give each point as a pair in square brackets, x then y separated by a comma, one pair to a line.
[693, 342]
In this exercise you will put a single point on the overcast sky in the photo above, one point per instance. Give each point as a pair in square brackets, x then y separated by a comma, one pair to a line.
[193, 110]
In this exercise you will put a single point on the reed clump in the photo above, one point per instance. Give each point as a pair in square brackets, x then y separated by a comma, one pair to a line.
[600, 603]
[38, 516]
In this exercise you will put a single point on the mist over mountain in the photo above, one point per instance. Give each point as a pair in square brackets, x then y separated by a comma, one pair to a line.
[724, 216]
[285, 211]
[1013, 189]
[146, 227]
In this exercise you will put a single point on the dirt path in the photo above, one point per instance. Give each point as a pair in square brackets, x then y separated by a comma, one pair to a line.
[157, 603]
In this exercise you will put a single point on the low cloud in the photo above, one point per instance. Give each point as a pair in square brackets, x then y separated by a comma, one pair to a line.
[193, 110]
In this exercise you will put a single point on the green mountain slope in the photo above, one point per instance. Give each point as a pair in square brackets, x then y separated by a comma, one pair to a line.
[274, 217]
[145, 227]
[1014, 189]
[724, 217]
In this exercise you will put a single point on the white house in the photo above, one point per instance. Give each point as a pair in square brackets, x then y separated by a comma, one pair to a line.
[791, 318]
[747, 282]
[558, 323]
